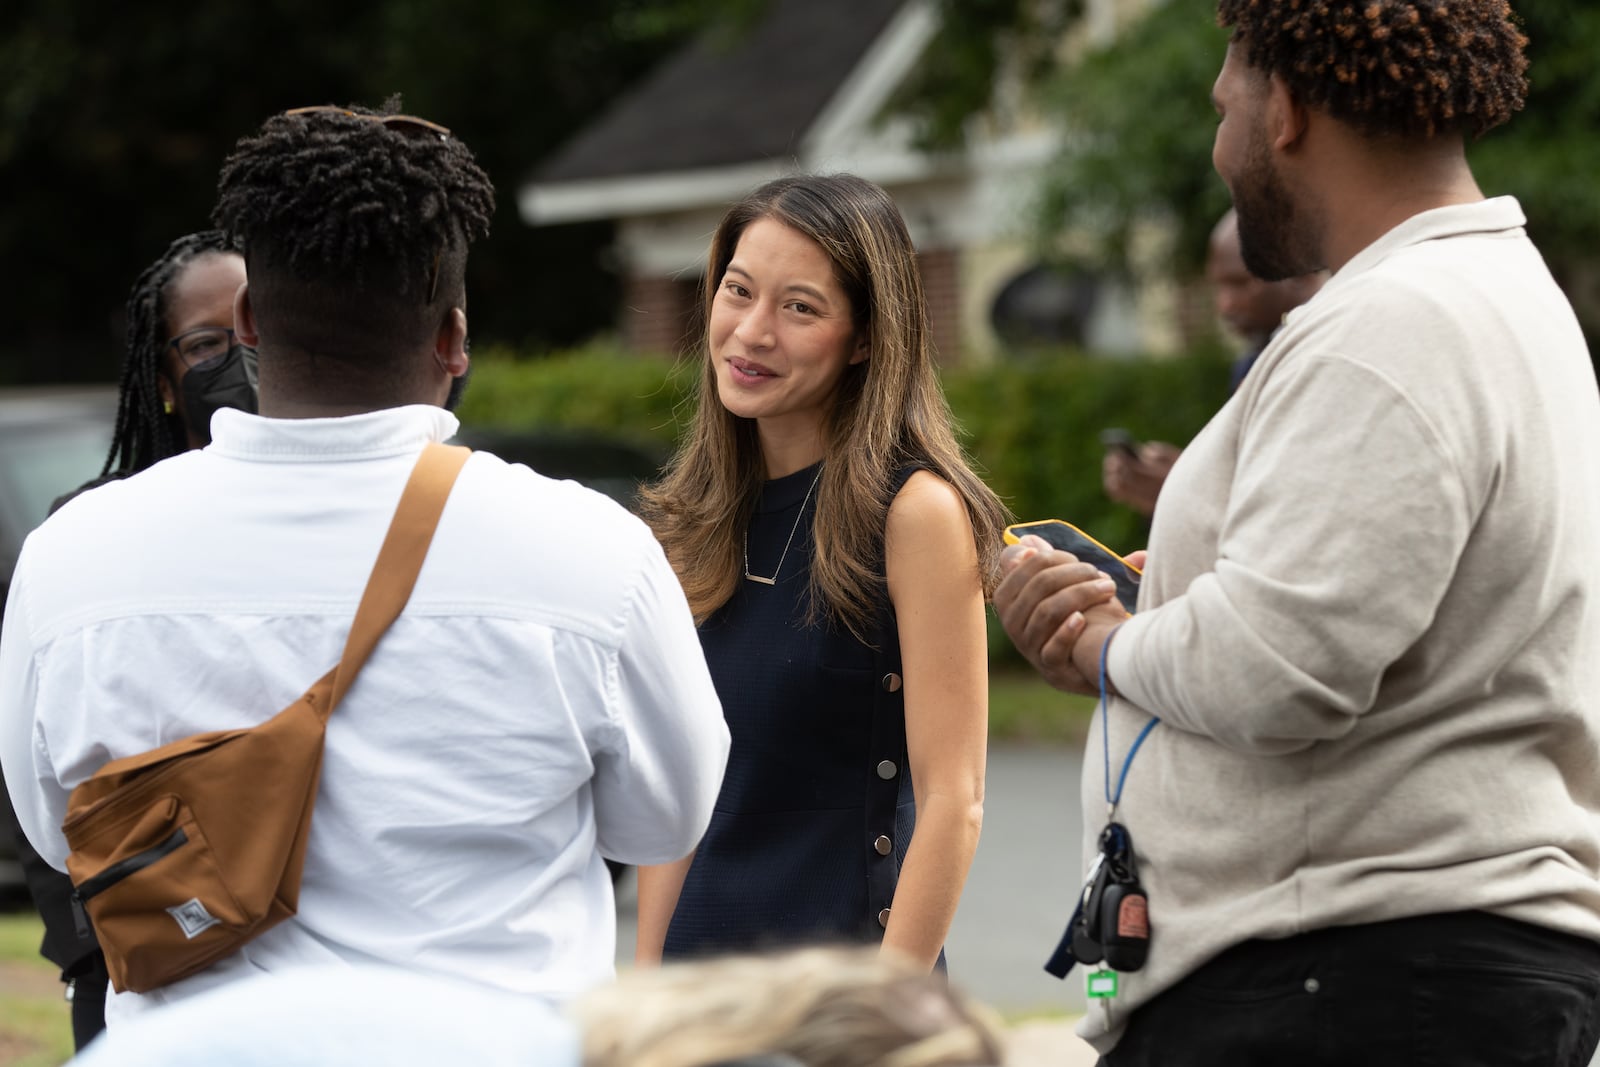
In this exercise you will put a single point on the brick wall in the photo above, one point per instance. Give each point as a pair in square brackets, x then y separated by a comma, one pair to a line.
[659, 315]
[941, 282]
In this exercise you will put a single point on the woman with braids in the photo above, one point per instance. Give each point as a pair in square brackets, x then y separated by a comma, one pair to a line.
[836, 550]
[1367, 825]
[181, 364]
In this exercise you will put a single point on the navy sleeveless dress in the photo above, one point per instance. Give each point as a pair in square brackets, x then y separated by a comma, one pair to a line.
[816, 810]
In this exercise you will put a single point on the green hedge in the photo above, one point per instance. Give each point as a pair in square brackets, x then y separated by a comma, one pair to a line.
[640, 399]
[1033, 427]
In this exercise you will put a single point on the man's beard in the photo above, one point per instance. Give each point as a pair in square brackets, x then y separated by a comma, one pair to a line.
[1268, 221]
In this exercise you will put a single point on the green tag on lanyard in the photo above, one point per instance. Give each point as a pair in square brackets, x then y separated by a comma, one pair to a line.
[1101, 984]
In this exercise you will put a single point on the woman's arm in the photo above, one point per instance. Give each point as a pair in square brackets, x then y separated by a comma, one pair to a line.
[659, 886]
[932, 564]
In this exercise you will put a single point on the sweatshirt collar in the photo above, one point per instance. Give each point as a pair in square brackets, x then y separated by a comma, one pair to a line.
[1496, 215]
[1500, 214]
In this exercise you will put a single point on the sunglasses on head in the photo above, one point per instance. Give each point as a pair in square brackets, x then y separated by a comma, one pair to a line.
[401, 123]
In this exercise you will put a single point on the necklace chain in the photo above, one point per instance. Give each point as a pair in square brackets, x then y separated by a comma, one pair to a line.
[792, 530]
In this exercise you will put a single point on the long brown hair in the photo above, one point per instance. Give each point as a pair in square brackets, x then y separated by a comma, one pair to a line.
[889, 412]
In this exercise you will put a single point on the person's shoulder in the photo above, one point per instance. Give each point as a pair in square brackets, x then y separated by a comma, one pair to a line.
[553, 518]
[925, 494]
[524, 487]
[104, 503]
[927, 510]
[93, 483]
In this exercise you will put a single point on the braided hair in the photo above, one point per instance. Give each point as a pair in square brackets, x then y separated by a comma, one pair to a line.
[355, 226]
[1409, 68]
[145, 433]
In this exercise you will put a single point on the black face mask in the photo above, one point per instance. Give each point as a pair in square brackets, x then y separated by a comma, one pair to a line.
[229, 381]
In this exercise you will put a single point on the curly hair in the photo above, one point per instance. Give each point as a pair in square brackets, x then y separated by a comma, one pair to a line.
[1412, 68]
[364, 212]
[145, 433]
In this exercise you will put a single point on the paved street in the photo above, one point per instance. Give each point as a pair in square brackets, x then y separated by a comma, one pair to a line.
[1016, 903]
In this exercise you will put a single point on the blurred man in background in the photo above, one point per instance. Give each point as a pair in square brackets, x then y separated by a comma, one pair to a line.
[1251, 308]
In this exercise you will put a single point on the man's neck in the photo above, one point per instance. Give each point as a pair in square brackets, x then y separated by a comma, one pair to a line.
[1376, 187]
[293, 386]
[306, 409]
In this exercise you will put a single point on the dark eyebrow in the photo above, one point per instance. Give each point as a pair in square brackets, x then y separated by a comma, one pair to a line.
[817, 296]
[810, 292]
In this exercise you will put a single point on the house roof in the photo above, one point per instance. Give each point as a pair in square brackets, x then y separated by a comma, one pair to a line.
[730, 97]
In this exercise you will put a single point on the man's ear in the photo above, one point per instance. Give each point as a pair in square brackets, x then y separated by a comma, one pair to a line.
[1286, 117]
[244, 318]
[450, 344]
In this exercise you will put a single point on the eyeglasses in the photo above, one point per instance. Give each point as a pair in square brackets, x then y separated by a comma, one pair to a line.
[202, 344]
[410, 124]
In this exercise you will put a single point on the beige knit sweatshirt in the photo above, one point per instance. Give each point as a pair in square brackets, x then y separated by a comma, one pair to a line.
[1371, 619]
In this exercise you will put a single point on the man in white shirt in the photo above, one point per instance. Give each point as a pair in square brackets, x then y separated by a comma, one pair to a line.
[541, 703]
[1368, 822]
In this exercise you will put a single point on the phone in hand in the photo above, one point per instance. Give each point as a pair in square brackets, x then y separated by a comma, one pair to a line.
[1117, 439]
[1065, 536]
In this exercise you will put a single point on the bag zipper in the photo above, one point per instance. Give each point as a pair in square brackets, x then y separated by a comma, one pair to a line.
[116, 873]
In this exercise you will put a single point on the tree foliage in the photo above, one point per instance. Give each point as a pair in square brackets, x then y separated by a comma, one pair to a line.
[115, 117]
[1137, 126]
[978, 47]
[1548, 155]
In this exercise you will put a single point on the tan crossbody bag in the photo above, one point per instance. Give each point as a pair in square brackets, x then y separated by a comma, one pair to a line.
[184, 853]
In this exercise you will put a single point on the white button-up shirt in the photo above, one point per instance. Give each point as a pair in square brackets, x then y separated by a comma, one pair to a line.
[541, 702]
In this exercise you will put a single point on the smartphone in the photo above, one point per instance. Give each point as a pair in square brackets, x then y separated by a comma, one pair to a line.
[1120, 440]
[1064, 535]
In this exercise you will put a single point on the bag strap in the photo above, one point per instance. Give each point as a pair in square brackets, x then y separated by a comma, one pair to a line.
[394, 575]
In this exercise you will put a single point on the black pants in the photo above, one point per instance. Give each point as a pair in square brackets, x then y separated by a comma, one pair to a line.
[1456, 990]
[89, 990]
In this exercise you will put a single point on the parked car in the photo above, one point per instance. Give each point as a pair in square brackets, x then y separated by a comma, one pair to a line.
[53, 439]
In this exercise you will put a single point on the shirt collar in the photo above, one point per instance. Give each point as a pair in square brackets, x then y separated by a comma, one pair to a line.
[371, 435]
[1497, 215]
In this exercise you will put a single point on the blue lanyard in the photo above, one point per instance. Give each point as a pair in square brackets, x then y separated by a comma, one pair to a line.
[1105, 733]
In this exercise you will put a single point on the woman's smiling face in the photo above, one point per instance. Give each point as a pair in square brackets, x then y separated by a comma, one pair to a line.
[782, 330]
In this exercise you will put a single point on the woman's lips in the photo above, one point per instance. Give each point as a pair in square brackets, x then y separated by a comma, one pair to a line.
[749, 370]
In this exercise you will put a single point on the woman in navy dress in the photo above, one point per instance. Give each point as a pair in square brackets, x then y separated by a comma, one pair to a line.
[837, 551]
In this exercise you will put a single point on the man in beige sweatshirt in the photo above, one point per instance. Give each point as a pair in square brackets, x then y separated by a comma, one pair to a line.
[1370, 625]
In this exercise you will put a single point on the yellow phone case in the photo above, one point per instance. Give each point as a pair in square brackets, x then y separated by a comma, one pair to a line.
[1063, 535]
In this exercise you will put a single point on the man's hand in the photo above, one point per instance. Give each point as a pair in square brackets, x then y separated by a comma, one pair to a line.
[1137, 482]
[1045, 600]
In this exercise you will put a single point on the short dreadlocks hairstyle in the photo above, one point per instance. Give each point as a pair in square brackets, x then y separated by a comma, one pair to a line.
[355, 231]
[1408, 68]
[145, 433]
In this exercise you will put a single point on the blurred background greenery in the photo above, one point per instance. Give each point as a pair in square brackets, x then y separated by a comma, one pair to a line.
[114, 119]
